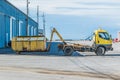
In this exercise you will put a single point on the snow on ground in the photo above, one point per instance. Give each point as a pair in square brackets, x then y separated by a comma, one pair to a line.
[116, 47]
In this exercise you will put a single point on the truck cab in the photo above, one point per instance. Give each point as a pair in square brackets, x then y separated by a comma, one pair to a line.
[102, 42]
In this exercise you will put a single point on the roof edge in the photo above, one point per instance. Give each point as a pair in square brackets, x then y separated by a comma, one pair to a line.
[20, 10]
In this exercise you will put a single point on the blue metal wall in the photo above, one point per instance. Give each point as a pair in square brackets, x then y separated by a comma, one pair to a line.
[13, 23]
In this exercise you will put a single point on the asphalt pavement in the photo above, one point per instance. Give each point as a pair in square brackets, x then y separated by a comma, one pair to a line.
[46, 66]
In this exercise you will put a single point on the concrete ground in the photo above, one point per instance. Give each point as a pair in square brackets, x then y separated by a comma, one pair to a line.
[40, 66]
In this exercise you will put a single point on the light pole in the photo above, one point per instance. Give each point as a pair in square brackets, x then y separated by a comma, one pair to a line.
[44, 24]
[27, 17]
[38, 19]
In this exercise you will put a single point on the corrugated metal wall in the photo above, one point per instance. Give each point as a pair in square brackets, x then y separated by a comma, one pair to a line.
[2, 30]
[13, 23]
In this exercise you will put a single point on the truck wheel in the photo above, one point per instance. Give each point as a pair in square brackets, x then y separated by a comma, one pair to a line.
[100, 51]
[18, 53]
[68, 51]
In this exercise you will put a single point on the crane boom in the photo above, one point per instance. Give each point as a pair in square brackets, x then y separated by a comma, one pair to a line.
[51, 38]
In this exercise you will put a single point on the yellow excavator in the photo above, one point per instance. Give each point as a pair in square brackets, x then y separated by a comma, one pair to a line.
[102, 42]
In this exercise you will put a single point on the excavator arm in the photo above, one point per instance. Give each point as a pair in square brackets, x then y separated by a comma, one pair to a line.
[51, 38]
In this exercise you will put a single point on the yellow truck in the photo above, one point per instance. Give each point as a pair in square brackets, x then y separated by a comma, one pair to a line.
[102, 42]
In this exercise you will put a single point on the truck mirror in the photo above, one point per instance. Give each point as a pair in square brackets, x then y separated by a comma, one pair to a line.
[110, 36]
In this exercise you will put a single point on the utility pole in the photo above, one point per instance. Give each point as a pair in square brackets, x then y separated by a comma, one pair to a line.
[38, 19]
[27, 18]
[44, 24]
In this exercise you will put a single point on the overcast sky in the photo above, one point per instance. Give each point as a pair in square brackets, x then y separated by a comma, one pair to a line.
[76, 18]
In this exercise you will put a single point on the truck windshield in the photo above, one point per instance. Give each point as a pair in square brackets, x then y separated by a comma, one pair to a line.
[104, 35]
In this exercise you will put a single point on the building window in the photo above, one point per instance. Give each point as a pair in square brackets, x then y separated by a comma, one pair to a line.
[12, 27]
[35, 31]
[29, 30]
[32, 31]
[20, 28]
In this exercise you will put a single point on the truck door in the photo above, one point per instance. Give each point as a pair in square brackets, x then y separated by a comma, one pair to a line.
[103, 38]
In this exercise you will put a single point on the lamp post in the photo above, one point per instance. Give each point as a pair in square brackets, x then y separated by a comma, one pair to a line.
[27, 17]
[44, 24]
[38, 19]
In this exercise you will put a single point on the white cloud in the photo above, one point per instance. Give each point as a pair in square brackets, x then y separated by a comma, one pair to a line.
[118, 24]
[72, 7]
[110, 8]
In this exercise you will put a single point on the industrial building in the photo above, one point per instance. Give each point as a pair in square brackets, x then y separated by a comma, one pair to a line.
[13, 23]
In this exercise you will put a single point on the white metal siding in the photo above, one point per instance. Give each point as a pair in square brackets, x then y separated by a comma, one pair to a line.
[20, 27]
[32, 31]
[35, 31]
[11, 27]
